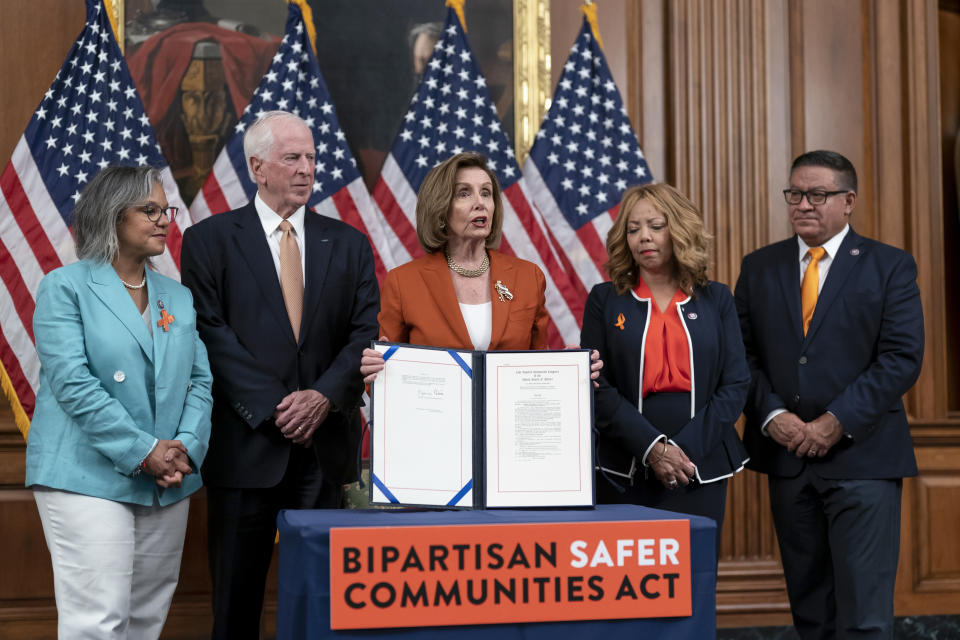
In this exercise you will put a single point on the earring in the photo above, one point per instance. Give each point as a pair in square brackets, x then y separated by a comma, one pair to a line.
[443, 224]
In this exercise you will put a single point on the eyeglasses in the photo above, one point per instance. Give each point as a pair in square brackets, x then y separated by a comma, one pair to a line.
[814, 197]
[154, 212]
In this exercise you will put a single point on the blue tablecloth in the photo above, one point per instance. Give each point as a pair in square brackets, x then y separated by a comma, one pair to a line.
[303, 609]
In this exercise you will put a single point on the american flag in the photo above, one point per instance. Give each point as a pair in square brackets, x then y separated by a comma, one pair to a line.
[450, 113]
[91, 116]
[294, 83]
[583, 159]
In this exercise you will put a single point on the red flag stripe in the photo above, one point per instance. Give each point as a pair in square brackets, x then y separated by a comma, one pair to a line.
[23, 301]
[27, 220]
[347, 208]
[571, 289]
[216, 202]
[596, 248]
[554, 337]
[396, 218]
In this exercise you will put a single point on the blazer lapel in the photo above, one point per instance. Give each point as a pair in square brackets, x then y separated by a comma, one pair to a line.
[506, 275]
[440, 287]
[788, 268]
[319, 249]
[106, 285]
[252, 245]
[840, 267]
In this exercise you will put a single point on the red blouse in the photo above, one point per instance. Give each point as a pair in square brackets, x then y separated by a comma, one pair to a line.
[666, 353]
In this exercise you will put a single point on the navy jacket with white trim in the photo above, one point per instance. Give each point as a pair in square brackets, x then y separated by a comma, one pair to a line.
[720, 380]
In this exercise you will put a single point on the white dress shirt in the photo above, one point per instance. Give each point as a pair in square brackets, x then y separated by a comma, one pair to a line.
[830, 247]
[271, 220]
[479, 321]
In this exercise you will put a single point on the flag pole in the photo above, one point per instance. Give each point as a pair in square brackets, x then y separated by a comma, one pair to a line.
[307, 13]
[589, 9]
[457, 6]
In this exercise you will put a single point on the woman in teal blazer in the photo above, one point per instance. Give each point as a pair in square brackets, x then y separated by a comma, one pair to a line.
[123, 413]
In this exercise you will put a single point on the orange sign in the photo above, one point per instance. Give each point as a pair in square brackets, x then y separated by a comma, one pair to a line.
[482, 574]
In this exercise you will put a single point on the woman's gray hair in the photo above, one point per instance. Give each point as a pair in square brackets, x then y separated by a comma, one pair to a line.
[101, 206]
[258, 139]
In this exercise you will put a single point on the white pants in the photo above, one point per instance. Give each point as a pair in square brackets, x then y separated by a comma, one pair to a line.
[115, 565]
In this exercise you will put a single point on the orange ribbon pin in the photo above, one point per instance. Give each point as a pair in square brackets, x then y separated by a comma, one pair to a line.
[165, 320]
[619, 323]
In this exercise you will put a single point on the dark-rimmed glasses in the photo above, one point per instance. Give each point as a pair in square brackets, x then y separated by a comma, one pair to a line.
[154, 212]
[814, 196]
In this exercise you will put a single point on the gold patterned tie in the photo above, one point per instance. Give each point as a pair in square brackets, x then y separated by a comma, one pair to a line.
[291, 276]
[810, 285]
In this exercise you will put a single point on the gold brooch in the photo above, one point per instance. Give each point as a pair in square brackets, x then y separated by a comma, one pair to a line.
[502, 291]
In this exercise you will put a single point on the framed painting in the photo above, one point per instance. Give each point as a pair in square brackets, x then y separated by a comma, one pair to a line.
[371, 52]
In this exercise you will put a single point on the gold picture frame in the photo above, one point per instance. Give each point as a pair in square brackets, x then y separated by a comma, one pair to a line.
[531, 71]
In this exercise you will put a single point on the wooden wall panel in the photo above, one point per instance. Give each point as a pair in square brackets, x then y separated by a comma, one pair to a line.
[928, 581]
[32, 48]
[747, 85]
[949, 50]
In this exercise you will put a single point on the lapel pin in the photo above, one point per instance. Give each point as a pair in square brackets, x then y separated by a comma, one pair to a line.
[854, 252]
[692, 315]
[159, 304]
[619, 323]
[502, 291]
[165, 318]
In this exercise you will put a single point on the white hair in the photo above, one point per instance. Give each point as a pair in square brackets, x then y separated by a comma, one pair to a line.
[258, 139]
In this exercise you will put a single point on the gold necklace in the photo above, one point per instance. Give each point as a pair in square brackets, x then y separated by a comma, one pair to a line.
[469, 273]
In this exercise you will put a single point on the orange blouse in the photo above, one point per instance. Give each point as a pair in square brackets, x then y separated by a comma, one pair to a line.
[666, 353]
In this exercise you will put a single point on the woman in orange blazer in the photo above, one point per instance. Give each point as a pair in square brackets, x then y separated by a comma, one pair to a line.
[463, 294]
[421, 303]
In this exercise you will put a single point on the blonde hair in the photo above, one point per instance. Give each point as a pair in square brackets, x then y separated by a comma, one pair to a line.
[436, 196]
[690, 240]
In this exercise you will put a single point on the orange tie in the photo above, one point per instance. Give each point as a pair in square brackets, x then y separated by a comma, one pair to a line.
[810, 285]
[291, 276]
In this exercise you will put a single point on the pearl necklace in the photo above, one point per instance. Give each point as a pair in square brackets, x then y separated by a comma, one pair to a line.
[134, 286]
[470, 273]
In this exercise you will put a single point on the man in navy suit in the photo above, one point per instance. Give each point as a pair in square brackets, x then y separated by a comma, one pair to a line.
[286, 300]
[833, 330]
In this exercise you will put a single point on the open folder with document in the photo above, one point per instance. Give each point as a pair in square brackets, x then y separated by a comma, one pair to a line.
[482, 429]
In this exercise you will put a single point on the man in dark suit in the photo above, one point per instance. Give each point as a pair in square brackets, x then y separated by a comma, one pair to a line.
[833, 330]
[286, 300]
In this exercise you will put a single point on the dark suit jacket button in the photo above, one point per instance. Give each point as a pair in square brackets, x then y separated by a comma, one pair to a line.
[803, 359]
[796, 398]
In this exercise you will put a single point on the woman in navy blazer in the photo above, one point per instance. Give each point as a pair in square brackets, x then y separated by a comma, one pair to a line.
[675, 377]
[123, 413]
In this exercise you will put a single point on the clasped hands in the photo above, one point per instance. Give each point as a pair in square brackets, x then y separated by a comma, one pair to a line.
[372, 363]
[671, 465]
[805, 439]
[168, 463]
[300, 413]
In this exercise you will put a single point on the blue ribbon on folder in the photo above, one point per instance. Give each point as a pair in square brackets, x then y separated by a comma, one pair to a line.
[459, 361]
[383, 488]
[457, 498]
